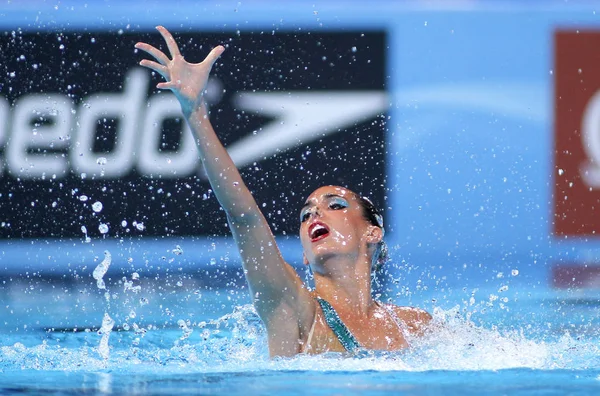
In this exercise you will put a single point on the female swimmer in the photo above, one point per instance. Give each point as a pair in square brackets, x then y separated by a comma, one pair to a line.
[341, 234]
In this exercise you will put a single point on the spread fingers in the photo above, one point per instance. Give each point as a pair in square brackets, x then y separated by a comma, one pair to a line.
[157, 67]
[171, 43]
[156, 53]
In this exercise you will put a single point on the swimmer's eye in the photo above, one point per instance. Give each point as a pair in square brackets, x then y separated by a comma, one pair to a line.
[335, 204]
[304, 215]
[338, 204]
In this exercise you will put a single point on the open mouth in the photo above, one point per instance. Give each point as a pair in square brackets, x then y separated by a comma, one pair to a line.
[317, 231]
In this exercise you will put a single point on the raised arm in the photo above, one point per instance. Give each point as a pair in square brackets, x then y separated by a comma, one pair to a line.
[274, 285]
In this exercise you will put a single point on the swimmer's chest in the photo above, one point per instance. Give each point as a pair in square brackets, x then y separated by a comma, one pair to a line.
[380, 333]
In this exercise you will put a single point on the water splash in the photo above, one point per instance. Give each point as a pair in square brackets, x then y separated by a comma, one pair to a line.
[101, 269]
[237, 342]
[107, 325]
[186, 331]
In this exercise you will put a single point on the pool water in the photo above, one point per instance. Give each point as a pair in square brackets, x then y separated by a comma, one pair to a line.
[179, 336]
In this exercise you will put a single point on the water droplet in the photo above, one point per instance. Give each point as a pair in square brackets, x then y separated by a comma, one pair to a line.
[101, 269]
[103, 228]
[97, 206]
[101, 161]
[83, 198]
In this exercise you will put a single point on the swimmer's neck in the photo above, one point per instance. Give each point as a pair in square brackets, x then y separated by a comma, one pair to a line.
[350, 292]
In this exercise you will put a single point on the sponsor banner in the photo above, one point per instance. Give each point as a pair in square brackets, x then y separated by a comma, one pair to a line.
[577, 133]
[89, 146]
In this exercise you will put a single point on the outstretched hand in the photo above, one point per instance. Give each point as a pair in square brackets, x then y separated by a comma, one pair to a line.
[186, 80]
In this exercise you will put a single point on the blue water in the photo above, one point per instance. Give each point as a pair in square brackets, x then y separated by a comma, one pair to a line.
[177, 334]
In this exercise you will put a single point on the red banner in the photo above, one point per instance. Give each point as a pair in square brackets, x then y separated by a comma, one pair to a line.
[577, 133]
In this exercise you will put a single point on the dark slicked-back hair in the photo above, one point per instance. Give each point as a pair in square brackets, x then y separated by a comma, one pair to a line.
[374, 217]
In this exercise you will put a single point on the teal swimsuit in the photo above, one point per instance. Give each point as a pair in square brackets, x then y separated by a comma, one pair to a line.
[341, 331]
[339, 328]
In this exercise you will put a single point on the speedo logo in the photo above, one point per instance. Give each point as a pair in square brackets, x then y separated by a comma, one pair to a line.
[48, 136]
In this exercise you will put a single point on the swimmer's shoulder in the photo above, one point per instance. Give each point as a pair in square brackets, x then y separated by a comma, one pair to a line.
[416, 319]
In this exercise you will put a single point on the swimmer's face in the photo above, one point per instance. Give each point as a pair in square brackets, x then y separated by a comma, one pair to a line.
[332, 223]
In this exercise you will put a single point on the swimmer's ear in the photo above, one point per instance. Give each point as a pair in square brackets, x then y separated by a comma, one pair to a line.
[374, 234]
[304, 259]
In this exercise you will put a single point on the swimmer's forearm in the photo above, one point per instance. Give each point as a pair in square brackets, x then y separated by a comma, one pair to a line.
[271, 280]
[224, 177]
[273, 283]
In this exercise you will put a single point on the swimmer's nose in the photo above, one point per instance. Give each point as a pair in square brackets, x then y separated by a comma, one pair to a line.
[313, 212]
[316, 212]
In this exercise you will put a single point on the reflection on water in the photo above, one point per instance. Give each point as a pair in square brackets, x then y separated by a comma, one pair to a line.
[104, 383]
[504, 382]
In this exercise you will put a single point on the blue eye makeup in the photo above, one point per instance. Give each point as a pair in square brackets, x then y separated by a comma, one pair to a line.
[335, 203]
[305, 214]
[338, 203]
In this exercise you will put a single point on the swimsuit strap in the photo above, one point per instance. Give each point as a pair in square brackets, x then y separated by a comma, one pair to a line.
[338, 327]
[310, 334]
